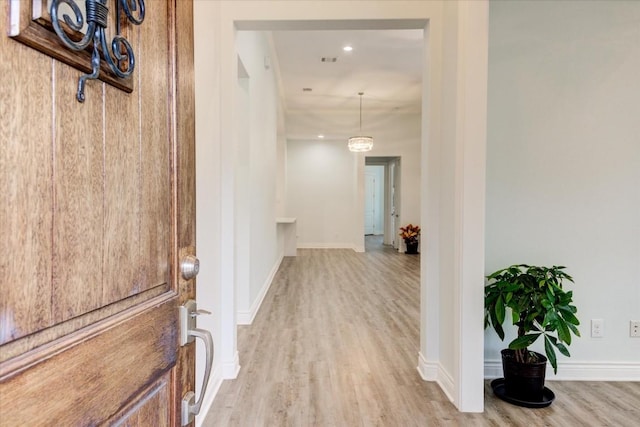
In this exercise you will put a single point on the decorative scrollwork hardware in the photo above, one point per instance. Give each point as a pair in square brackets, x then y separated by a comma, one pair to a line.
[120, 57]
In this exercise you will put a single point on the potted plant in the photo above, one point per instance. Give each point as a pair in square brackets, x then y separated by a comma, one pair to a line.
[410, 235]
[540, 308]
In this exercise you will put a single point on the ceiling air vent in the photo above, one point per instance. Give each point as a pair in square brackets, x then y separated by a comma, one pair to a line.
[329, 59]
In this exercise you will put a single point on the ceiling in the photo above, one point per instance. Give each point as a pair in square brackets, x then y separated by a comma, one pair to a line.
[384, 64]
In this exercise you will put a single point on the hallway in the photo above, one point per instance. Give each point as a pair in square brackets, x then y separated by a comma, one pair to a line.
[336, 344]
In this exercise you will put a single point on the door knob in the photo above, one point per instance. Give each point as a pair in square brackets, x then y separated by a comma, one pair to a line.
[189, 267]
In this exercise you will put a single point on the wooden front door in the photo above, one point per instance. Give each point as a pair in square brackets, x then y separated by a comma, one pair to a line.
[97, 210]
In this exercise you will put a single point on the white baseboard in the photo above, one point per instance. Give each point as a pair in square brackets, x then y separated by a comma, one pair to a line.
[579, 371]
[246, 317]
[433, 371]
[212, 390]
[492, 369]
[231, 368]
[325, 246]
[228, 371]
[428, 370]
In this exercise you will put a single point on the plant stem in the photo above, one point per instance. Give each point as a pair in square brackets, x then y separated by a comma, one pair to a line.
[521, 353]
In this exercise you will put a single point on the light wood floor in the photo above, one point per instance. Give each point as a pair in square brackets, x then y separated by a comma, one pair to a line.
[336, 344]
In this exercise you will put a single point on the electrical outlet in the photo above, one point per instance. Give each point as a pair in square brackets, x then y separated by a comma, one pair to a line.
[634, 328]
[597, 328]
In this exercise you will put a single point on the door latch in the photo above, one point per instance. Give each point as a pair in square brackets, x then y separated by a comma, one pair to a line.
[188, 333]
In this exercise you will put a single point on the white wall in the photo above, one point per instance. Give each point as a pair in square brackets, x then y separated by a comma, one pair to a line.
[260, 157]
[563, 170]
[453, 205]
[208, 192]
[447, 212]
[325, 183]
[219, 161]
[321, 192]
[243, 183]
[281, 162]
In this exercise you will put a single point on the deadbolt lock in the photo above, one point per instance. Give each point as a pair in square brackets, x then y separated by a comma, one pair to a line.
[189, 267]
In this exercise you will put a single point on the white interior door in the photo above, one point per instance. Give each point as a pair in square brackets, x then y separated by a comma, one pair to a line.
[374, 199]
[369, 201]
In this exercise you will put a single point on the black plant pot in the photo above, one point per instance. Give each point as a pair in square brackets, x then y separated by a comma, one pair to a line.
[524, 381]
[412, 247]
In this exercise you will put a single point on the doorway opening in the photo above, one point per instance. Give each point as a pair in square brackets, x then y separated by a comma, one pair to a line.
[452, 190]
[382, 194]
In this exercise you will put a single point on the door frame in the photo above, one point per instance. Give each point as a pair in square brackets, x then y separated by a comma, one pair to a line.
[391, 223]
[395, 200]
[452, 176]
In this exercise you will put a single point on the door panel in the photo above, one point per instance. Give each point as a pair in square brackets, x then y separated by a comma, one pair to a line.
[102, 371]
[150, 409]
[99, 208]
[77, 191]
[121, 257]
[154, 244]
[25, 219]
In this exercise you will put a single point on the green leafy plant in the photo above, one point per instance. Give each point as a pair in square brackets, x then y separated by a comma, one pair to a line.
[540, 307]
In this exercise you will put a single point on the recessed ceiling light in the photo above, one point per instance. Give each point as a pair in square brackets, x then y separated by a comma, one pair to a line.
[347, 48]
[320, 136]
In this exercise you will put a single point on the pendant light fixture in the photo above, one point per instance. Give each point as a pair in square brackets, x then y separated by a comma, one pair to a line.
[360, 143]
